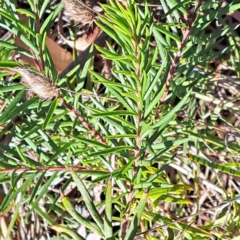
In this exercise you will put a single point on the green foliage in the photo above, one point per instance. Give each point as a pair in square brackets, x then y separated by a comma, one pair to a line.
[156, 118]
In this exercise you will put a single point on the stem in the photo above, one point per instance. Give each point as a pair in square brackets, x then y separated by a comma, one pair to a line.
[52, 168]
[38, 26]
[179, 54]
[137, 150]
[93, 131]
[139, 109]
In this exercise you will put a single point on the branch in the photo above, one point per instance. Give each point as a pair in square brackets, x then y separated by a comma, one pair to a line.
[179, 54]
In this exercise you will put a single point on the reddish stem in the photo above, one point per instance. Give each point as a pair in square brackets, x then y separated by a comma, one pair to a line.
[38, 66]
[179, 54]
[93, 131]
[44, 168]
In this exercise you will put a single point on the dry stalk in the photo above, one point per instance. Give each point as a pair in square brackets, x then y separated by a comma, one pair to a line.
[47, 90]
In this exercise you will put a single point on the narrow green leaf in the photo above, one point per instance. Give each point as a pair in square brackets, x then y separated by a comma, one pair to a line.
[14, 47]
[177, 5]
[44, 215]
[11, 88]
[13, 221]
[8, 64]
[115, 113]
[7, 113]
[168, 117]
[176, 226]
[127, 167]
[112, 150]
[36, 187]
[15, 192]
[127, 16]
[121, 136]
[220, 167]
[61, 229]
[90, 142]
[233, 7]
[30, 2]
[59, 151]
[50, 113]
[43, 8]
[108, 230]
[68, 75]
[121, 40]
[30, 163]
[51, 18]
[88, 200]
[161, 44]
[155, 81]
[4, 165]
[14, 110]
[42, 190]
[170, 199]
[116, 16]
[84, 73]
[113, 84]
[45, 187]
[121, 121]
[115, 93]
[18, 23]
[154, 102]
[15, 30]
[167, 32]
[88, 224]
[112, 56]
[26, 12]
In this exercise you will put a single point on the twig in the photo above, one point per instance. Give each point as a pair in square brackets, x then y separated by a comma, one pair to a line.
[179, 54]
[52, 168]
[81, 119]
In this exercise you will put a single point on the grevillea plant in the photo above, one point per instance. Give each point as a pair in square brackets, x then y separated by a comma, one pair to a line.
[123, 162]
